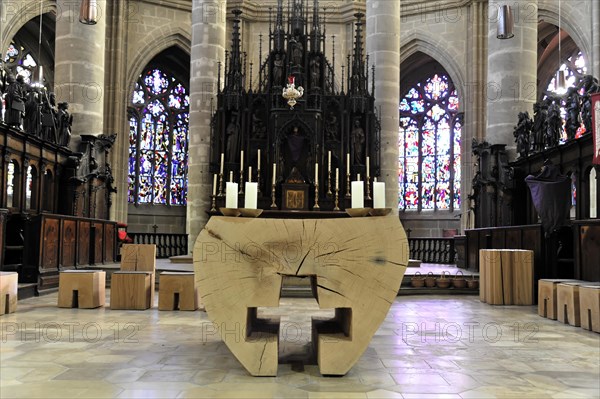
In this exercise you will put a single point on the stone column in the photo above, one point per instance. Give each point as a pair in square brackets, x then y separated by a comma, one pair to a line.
[383, 47]
[512, 73]
[208, 48]
[79, 67]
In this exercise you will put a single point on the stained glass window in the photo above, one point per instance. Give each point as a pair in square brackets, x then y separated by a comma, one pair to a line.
[429, 143]
[158, 140]
[20, 61]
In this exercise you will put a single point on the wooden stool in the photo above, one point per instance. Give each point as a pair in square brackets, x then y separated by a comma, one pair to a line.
[567, 303]
[506, 276]
[84, 289]
[547, 296]
[8, 292]
[131, 290]
[140, 257]
[177, 291]
[589, 306]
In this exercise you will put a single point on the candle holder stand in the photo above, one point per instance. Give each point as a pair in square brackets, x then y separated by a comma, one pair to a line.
[368, 187]
[241, 182]
[329, 183]
[214, 203]
[337, 193]
[316, 207]
[348, 185]
[258, 179]
[220, 185]
[273, 204]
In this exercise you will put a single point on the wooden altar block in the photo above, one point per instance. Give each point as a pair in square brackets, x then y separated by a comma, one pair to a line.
[491, 276]
[84, 289]
[521, 282]
[547, 296]
[140, 257]
[177, 291]
[131, 290]
[355, 265]
[589, 306]
[9, 283]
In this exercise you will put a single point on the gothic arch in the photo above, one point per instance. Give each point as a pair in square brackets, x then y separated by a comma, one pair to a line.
[574, 30]
[23, 14]
[168, 37]
[428, 46]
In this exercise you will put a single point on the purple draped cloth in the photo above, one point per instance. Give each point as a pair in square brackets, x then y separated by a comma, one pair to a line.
[551, 195]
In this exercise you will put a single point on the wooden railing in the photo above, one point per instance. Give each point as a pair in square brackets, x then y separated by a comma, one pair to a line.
[167, 244]
[432, 250]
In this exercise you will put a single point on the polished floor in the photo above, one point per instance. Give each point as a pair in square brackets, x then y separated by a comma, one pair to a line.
[428, 347]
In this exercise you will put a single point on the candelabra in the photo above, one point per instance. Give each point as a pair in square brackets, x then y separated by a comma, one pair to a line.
[241, 182]
[337, 192]
[329, 183]
[368, 187]
[214, 203]
[348, 185]
[220, 185]
[273, 204]
[316, 207]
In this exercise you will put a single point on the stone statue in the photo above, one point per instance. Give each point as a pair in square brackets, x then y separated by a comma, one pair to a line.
[297, 51]
[572, 122]
[522, 132]
[554, 125]
[315, 72]
[15, 101]
[540, 114]
[232, 134]
[32, 123]
[277, 70]
[49, 113]
[331, 127]
[258, 126]
[589, 84]
[358, 142]
[65, 121]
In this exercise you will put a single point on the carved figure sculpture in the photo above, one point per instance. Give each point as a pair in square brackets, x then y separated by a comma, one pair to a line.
[358, 142]
[540, 113]
[522, 132]
[65, 121]
[15, 102]
[32, 123]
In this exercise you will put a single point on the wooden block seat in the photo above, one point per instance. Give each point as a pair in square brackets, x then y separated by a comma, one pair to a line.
[140, 257]
[177, 291]
[547, 296]
[9, 283]
[131, 290]
[84, 289]
[567, 302]
[589, 307]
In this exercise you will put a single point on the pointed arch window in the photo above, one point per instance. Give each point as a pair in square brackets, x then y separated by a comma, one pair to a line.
[158, 140]
[20, 61]
[429, 143]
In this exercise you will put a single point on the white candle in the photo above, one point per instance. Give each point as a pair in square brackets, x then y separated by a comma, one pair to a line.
[231, 195]
[337, 178]
[358, 194]
[250, 199]
[214, 184]
[316, 173]
[348, 163]
[242, 160]
[378, 195]
[231, 176]
[222, 161]
[274, 172]
[258, 166]
[358, 177]
[249, 173]
[374, 179]
[368, 170]
[329, 161]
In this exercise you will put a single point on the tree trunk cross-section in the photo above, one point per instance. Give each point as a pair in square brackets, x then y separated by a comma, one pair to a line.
[356, 266]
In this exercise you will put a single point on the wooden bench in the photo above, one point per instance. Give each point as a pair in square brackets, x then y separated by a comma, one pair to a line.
[547, 296]
[84, 289]
[131, 290]
[589, 306]
[177, 291]
[567, 302]
[9, 283]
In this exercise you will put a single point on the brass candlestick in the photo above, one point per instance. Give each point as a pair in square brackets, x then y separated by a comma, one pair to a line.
[214, 203]
[368, 187]
[241, 182]
[348, 185]
[316, 207]
[258, 179]
[329, 183]
[337, 192]
[220, 185]
[273, 204]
